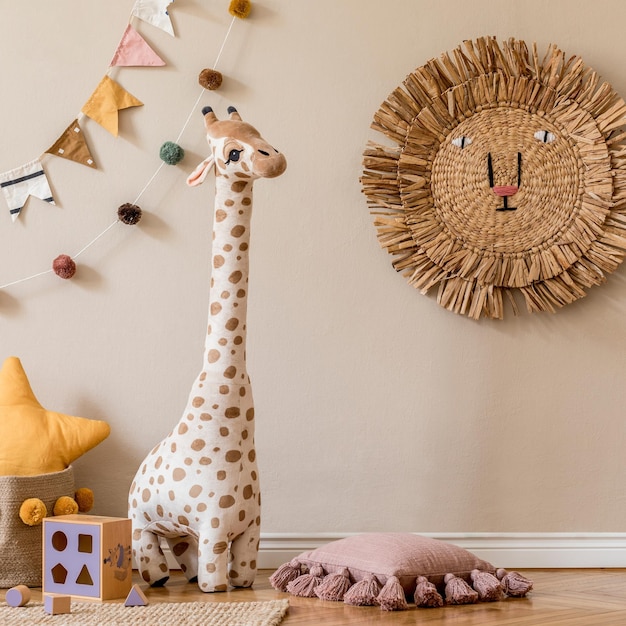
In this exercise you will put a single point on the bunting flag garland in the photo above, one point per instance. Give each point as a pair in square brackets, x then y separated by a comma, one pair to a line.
[103, 106]
[134, 50]
[154, 12]
[73, 146]
[23, 181]
[108, 98]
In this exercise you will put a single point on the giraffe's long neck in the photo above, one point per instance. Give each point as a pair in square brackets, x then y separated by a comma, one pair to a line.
[225, 349]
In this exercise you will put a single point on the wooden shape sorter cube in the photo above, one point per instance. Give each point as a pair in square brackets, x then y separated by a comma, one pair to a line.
[87, 556]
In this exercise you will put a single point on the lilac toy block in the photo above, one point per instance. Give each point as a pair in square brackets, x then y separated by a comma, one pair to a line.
[87, 556]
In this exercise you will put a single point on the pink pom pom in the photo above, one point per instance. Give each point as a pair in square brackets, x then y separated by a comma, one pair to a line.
[63, 266]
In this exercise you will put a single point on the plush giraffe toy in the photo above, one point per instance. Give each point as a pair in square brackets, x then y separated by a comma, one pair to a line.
[199, 488]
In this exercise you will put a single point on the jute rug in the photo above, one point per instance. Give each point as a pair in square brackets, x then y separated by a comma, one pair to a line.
[162, 614]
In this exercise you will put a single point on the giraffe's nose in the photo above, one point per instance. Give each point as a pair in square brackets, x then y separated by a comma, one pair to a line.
[505, 191]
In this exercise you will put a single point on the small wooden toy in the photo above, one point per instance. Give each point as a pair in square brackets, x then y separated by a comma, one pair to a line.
[87, 556]
[136, 597]
[18, 596]
[56, 604]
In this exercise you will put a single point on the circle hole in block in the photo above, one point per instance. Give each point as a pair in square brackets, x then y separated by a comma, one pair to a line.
[59, 541]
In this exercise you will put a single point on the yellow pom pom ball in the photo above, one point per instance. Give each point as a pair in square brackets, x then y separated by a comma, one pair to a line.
[33, 511]
[65, 506]
[240, 8]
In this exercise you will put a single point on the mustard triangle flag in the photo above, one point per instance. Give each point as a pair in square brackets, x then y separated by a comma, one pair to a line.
[73, 146]
[24, 181]
[154, 12]
[104, 103]
[133, 50]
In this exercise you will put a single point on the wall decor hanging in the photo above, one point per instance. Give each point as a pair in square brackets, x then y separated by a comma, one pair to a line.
[508, 174]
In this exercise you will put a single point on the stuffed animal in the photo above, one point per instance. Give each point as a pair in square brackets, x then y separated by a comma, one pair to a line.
[199, 487]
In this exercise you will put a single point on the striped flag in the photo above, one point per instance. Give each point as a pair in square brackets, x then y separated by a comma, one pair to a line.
[27, 180]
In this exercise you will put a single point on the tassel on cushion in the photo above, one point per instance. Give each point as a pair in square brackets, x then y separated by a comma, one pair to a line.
[487, 586]
[334, 586]
[514, 584]
[285, 574]
[426, 594]
[363, 593]
[305, 585]
[391, 596]
[458, 591]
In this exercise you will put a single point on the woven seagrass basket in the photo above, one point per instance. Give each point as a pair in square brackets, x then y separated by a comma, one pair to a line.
[20, 545]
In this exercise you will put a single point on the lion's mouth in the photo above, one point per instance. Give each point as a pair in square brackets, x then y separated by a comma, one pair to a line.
[505, 191]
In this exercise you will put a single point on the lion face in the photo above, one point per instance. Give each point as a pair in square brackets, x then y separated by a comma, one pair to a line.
[508, 177]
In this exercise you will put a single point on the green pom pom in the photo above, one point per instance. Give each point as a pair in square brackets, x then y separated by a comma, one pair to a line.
[171, 153]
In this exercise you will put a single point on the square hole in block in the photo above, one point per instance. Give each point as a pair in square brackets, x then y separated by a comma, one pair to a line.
[85, 543]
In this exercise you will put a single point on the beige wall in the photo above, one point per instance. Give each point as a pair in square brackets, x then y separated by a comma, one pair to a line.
[376, 409]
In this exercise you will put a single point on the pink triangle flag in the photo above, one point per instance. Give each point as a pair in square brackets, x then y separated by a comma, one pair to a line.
[133, 50]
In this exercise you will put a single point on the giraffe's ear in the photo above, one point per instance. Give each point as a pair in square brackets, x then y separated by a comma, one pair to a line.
[199, 174]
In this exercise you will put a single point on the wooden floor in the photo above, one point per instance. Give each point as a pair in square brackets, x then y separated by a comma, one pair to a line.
[586, 597]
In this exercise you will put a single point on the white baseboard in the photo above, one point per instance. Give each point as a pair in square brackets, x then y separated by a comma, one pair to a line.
[508, 550]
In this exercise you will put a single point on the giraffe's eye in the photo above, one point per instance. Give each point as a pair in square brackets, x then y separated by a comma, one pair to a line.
[233, 155]
[461, 142]
[545, 136]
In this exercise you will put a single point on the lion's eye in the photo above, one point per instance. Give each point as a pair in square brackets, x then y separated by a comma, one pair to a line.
[461, 142]
[545, 136]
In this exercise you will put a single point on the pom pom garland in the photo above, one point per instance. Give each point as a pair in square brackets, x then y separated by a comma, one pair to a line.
[171, 153]
[210, 79]
[63, 266]
[129, 213]
[240, 8]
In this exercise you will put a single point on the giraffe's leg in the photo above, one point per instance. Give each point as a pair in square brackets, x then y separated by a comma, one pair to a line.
[185, 550]
[150, 558]
[243, 562]
[213, 560]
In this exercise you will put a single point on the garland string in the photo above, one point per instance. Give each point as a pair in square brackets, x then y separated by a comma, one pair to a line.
[150, 181]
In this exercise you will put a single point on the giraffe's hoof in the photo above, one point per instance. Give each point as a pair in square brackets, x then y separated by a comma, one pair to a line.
[206, 110]
[161, 582]
[193, 580]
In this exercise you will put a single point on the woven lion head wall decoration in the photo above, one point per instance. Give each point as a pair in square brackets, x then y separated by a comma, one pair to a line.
[508, 174]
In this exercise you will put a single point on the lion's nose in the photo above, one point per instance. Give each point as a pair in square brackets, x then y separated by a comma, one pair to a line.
[505, 191]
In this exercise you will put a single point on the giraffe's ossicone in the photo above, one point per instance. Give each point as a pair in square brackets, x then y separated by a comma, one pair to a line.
[198, 489]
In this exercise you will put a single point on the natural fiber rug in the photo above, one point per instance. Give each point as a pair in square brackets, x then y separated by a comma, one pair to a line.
[164, 614]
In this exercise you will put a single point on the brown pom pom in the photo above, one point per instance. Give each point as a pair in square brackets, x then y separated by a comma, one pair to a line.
[65, 506]
[84, 499]
[129, 213]
[240, 8]
[210, 79]
[63, 266]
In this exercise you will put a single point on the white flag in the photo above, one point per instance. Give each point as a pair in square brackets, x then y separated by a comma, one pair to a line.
[154, 12]
[23, 181]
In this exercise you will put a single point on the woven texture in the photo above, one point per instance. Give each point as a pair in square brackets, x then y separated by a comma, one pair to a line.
[509, 176]
[20, 545]
[164, 614]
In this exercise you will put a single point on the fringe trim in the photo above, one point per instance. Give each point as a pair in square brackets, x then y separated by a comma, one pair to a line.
[295, 578]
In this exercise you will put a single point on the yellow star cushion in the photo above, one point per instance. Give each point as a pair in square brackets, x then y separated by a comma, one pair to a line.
[34, 440]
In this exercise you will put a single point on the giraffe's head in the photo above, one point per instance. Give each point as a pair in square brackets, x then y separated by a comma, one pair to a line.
[237, 149]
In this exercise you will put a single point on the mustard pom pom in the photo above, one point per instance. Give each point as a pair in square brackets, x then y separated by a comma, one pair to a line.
[33, 511]
[84, 499]
[240, 8]
[210, 79]
[65, 506]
